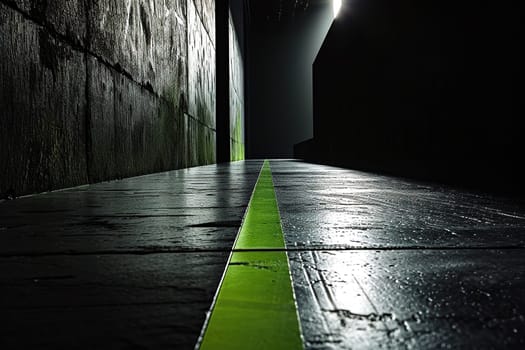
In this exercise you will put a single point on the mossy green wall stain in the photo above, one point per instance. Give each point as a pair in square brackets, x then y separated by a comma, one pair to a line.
[237, 150]
[237, 138]
[236, 96]
[86, 108]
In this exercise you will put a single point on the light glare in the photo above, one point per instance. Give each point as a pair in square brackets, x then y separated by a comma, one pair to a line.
[337, 7]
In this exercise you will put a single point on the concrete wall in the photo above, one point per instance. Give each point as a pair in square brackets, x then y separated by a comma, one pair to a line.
[97, 90]
[236, 94]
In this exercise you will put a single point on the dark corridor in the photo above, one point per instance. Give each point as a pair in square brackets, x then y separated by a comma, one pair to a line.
[261, 174]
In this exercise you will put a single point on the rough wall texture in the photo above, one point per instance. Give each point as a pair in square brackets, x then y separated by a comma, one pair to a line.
[93, 90]
[236, 95]
[39, 73]
[201, 69]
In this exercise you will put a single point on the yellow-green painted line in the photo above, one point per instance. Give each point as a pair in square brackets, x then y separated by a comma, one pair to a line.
[255, 306]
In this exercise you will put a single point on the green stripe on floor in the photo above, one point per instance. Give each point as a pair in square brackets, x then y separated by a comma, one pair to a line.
[255, 306]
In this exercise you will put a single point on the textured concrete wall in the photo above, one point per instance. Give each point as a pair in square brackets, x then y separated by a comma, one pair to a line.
[201, 77]
[236, 95]
[42, 105]
[97, 90]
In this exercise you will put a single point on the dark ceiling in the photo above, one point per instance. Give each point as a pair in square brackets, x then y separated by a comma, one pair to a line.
[278, 10]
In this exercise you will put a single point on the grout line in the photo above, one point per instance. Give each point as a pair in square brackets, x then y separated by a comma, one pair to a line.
[232, 251]
[316, 293]
[245, 299]
[201, 19]
[393, 248]
[87, 122]
[260, 250]
[290, 274]
[77, 46]
[199, 121]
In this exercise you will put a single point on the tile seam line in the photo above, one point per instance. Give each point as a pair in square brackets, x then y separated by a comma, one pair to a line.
[232, 251]
[226, 250]
[78, 46]
[315, 249]
[290, 276]
[313, 291]
[82, 48]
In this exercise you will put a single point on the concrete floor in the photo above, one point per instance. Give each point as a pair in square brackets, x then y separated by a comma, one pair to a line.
[377, 262]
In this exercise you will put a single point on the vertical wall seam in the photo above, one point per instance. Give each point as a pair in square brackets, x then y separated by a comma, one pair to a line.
[222, 81]
[116, 172]
[186, 113]
[201, 19]
[246, 73]
[87, 124]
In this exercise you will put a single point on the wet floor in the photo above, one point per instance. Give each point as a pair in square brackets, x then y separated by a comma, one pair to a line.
[384, 262]
[376, 262]
[124, 264]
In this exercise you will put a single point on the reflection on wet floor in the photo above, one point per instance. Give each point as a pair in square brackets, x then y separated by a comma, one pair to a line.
[381, 262]
[143, 258]
[376, 261]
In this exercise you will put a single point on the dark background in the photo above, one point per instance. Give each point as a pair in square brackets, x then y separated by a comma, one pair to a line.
[283, 40]
[430, 90]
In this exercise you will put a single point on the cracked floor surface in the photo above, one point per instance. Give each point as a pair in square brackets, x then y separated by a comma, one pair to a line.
[133, 263]
[383, 262]
[376, 261]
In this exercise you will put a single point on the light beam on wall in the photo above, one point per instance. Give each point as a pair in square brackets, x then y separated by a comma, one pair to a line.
[337, 6]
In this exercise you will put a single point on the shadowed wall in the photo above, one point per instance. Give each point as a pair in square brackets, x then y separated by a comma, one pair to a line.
[282, 48]
[98, 90]
[425, 89]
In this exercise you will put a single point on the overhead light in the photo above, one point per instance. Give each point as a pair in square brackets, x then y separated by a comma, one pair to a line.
[337, 6]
